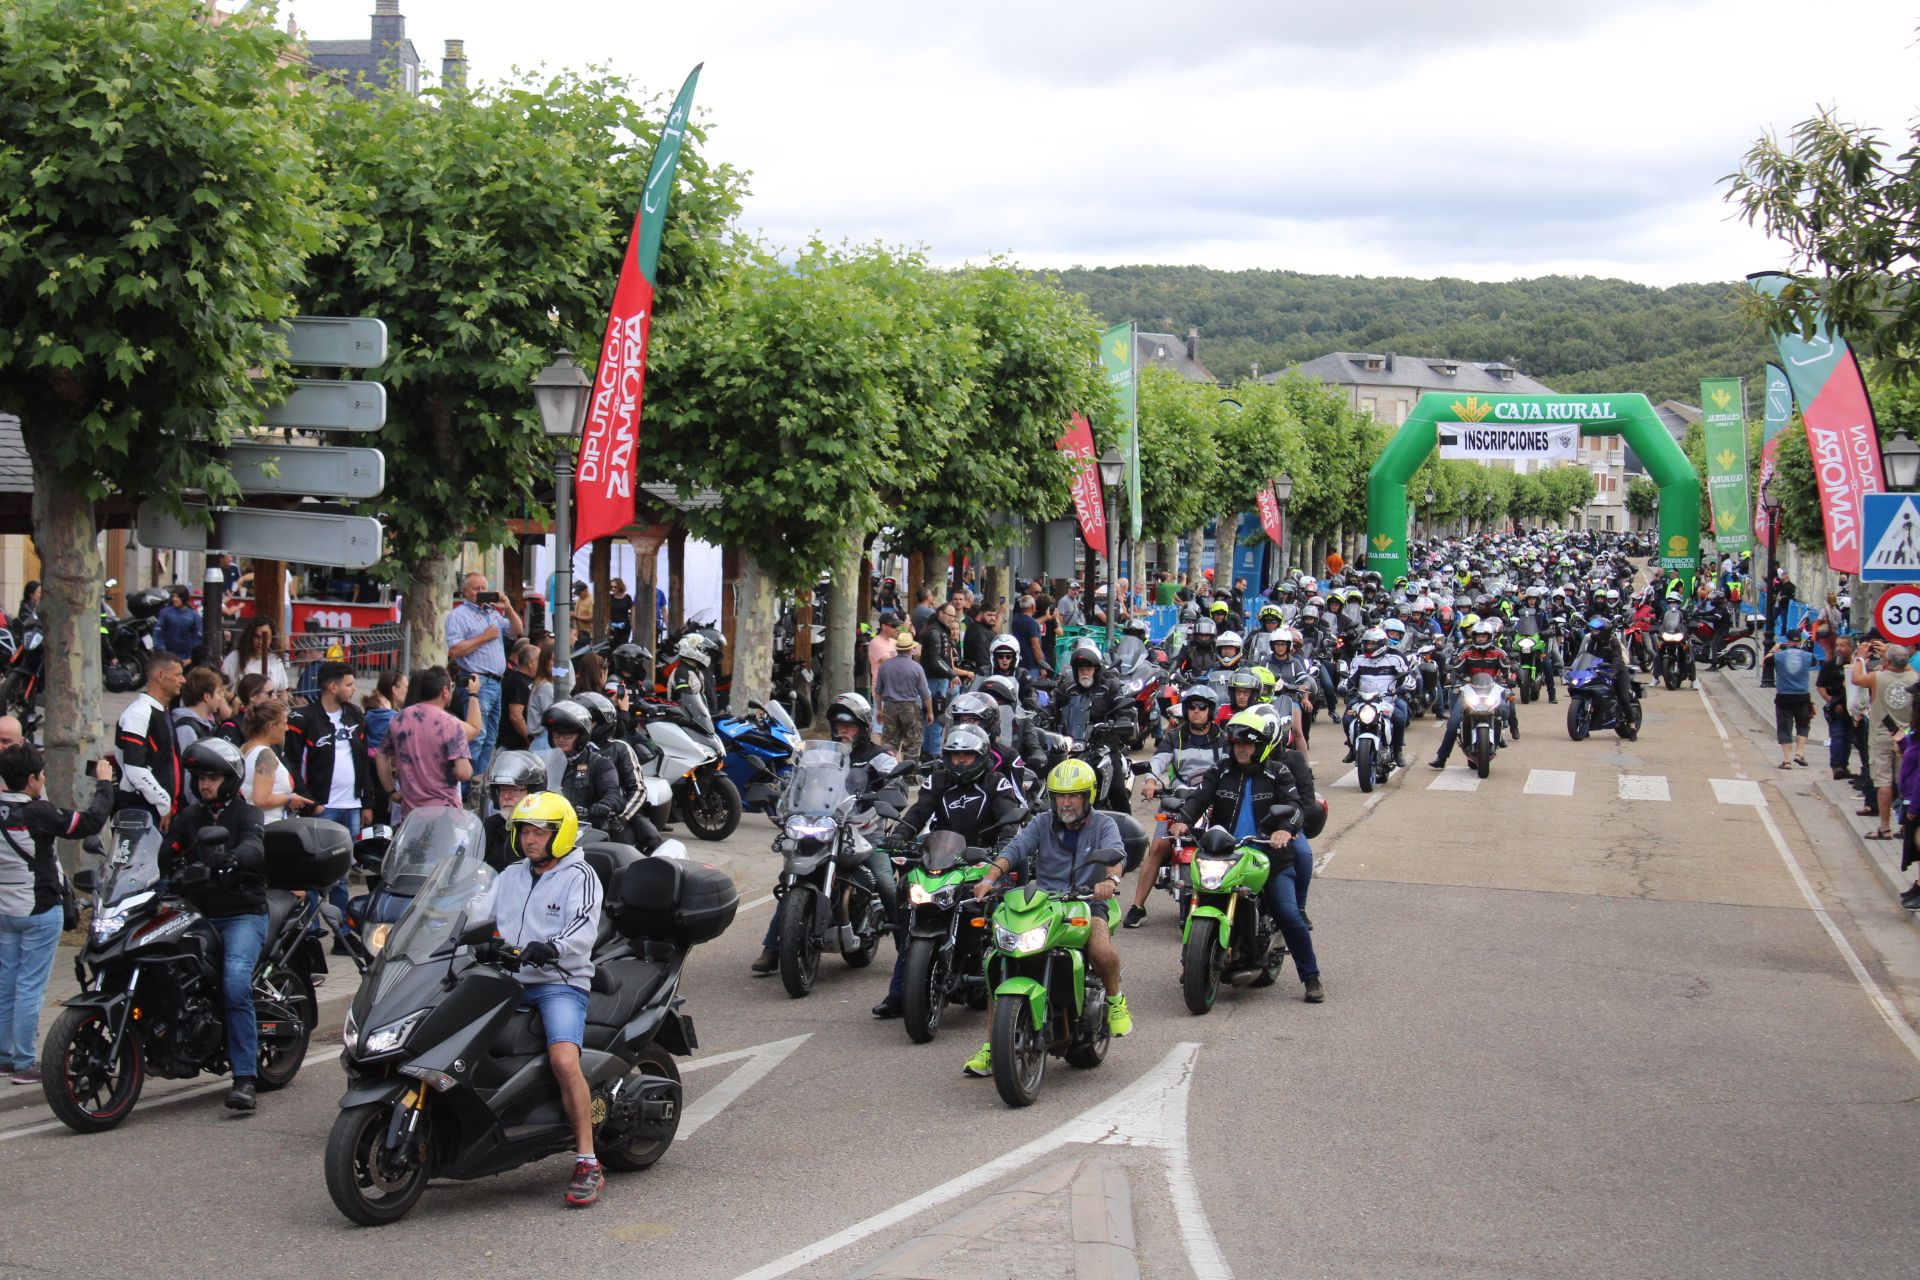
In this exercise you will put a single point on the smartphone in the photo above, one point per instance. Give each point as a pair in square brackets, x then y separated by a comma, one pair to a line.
[488, 597]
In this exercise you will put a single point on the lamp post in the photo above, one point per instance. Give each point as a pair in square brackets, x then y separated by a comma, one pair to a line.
[1113, 466]
[1429, 513]
[1771, 501]
[1282, 492]
[560, 392]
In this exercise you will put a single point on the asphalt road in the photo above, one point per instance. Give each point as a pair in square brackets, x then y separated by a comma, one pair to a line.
[1583, 1019]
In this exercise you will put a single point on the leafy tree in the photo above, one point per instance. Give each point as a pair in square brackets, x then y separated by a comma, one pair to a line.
[1643, 497]
[1179, 459]
[487, 229]
[157, 195]
[1850, 214]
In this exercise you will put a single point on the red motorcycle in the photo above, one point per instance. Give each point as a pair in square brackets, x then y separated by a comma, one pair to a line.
[1731, 653]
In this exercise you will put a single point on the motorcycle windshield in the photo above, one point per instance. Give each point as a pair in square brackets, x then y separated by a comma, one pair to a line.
[1527, 626]
[943, 850]
[442, 902]
[821, 780]
[1672, 620]
[778, 714]
[1128, 653]
[426, 838]
[133, 862]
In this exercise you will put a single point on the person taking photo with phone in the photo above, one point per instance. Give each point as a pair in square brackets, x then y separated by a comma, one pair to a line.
[476, 631]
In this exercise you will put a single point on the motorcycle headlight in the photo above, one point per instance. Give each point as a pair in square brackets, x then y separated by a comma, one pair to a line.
[1020, 944]
[918, 895]
[109, 921]
[1213, 870]
[1135, 685]
[377, 939]
[1671, 637]
[1368, 715]
[392, 1037]
[809, 828]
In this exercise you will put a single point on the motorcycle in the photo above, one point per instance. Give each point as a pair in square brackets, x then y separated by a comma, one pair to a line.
[151, 976]
[447, 1073]
[1673, 655]
[1590, 700]
[1228, 931]
[126, 642]
[1142, 682]
[945, 931]
[761, 747]
[24, 682]
[1732, 653]
[690, 761]
[1100, 748]
[828, 898]
[1530, 656]
[1483, 704]
[1046, 998]
[1173, 875]
[1370, 735]
[399, 865]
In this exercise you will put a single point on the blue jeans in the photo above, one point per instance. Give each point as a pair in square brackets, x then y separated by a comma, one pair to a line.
[563, 1011]
[27, 945]
[1283, 894]
[481, 749]
[1302, 869]
[241, 940]
[350, 819]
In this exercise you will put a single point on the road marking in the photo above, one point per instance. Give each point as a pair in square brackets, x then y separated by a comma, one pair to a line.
[1455, 780]
[757, 902]
[1325, 862]
[193, 1091]
[1737, 791]
[1351, 778]
[1888, 1011]
[1150, 1112]
[762, 1058]
[1549, 782]
[1643, 786]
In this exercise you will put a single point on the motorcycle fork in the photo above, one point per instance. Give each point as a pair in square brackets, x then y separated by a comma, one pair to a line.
[124, 1015]
[405, 1120]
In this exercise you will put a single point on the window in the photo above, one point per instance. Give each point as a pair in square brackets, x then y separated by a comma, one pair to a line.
[1370, 407]
[1399, 412]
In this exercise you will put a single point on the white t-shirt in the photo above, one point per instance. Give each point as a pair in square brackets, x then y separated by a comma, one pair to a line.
[276, 671]
[282, 780]
[341, 792]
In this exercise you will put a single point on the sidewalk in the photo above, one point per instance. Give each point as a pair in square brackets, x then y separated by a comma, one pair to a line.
[1882, 855]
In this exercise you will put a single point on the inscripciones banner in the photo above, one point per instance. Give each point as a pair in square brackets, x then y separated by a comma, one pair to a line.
[1502, 441]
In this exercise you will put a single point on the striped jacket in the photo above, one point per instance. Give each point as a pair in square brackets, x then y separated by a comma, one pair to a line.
[561, 906]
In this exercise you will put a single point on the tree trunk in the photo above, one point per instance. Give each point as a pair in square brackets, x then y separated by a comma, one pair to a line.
[65, 536]
[646, 604]
[916, 577]
[676, 582]
[843, 617]
[1196, 553]
[429, 597]
[753, 649]
[600, 570]
[993, 587]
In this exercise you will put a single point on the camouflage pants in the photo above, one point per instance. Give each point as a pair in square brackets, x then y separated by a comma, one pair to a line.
[900, 730]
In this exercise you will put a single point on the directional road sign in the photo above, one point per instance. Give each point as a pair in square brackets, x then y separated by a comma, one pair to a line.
[349, 542]
[299, 470]
[1892, 527]
[1897, 614]
[322, 405]
[342, 342]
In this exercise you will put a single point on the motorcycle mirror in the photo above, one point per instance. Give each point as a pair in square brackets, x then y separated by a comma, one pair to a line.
[82, 881]
[1103, 857]
[93, 846]
[1140, 766]
[474, 935]
[211, 836]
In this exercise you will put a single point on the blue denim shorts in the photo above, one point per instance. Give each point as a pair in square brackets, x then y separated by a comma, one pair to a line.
[563, 1011]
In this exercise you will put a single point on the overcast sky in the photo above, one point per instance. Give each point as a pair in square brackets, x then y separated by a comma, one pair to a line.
[1478, 138]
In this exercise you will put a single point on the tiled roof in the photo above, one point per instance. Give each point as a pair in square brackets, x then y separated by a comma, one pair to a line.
[1426, 373]
[16, 470]
[1169, 352]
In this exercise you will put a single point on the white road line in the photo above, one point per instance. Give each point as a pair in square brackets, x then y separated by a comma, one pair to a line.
[1325, 862]
[1644, 786]
[1737, 791]
[1549, 782]
[1373, 800]
[764, 1058]
[1150, 1112]
[194, 1091]
[1455, 780]
[1888, 1011]
[1351, 778]
[757, 902]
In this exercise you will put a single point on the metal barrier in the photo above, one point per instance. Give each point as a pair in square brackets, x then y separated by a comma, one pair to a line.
[370, 651]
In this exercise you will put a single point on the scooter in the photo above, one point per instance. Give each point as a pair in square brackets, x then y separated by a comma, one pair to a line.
[690, 761]
[397, 864]
[447, 1073]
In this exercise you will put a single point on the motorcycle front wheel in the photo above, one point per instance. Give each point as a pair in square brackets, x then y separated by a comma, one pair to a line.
[1671, 676]
[1200, 962]
[1737, 657]
[714, 812]
[88, 1092]
[1019, 1052]
[1579, 719]
[362, 1185]
[1363, 761]
[799, 948]
[1483, 755]
[644, 1152]
[924, 988]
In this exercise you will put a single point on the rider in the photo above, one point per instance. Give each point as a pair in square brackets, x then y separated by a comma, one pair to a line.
[589, 780]
[1005, 652]
[1196, 656]
[688, 687]
[225, 883]
[982, 710]
[1056, 852]
[1240, 794]
[1480, 657]
[1187, 749]
[1379, 669]
[511, 777]
[1272, 619]
[1228, 646]
[629, 825]
[1605, 645]
[547, 905]
[1089, 697]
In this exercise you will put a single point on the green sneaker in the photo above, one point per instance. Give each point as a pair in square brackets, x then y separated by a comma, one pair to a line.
[980, 1065]
[1119, 1017]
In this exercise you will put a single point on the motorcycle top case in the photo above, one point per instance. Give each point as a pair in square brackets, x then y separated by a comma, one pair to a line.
[147, 603]
[671, 900]
[307, 853]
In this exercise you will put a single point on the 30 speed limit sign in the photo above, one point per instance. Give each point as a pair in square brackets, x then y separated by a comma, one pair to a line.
[1898, 614]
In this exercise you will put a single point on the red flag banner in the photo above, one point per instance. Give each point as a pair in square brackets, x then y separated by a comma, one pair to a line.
[1087, 504]
[1270, 515]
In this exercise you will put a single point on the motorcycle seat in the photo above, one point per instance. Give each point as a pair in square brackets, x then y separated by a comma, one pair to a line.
[634, 983]
[280, 908]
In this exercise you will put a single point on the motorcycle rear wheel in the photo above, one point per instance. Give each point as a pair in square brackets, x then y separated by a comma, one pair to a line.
[1200, 964]
[105, 1094]
[1737, 657]
[1363, 761]
[924, 988]
[714, 813]
[358, 1188]
[644, 1153]
[278, 1070]
[799, 948]
[1019, 1052]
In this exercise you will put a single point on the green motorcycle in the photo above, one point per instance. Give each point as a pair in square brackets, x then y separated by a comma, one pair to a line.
[946, 934]
[1046, 999]
[1229, 933]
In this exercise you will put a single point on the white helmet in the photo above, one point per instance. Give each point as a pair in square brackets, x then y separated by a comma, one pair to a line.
[1228, 640]
[693, 649]
[1005, 644]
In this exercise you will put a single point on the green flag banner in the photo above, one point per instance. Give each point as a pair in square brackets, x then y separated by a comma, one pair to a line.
[1723, 416]
[1116, 357]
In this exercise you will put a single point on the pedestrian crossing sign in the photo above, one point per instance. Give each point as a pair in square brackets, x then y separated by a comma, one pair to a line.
[1892, 541]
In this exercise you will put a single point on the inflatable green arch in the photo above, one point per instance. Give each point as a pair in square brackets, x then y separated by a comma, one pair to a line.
[1629, 416]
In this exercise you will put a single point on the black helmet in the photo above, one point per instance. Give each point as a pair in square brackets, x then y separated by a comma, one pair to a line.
[216, 756]
[969, 738]
[521, 769]
[1004, 689]
[629, 662]
[568, 716]
[602, 711]
[973, 707]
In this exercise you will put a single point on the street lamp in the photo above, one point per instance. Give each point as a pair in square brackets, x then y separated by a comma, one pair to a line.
[560, 392]
[1282, 493]
[1429, 513]
[1771, 501]
[1113, 465]
[1902, 457]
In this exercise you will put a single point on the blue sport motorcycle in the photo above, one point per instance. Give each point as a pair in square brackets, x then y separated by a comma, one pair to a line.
[761, 749]
[1590, 700]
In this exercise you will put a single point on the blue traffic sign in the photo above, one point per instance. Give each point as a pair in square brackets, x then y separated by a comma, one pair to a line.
[1891, 549]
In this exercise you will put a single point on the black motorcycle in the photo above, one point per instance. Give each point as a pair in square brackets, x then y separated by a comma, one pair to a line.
[829, 900]
[150, 972]
[126, 642]
[447, 1073]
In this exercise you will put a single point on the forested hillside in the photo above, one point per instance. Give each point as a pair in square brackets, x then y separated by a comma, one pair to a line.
[1573, 333]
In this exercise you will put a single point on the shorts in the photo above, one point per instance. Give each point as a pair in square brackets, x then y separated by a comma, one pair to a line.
[1792, 717]
[1883, 758]
[563, 1011]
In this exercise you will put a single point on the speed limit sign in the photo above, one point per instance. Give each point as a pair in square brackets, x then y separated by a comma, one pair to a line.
[1898, 614]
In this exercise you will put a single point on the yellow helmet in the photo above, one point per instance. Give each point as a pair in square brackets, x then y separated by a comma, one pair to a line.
[549, 809]
[1268, 681]
[1071, 777]
[1253, 726]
